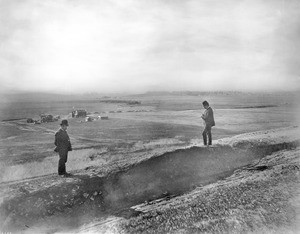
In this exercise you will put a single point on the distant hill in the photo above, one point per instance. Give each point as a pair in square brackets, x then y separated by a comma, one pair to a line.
[55, 97]
[45, 97]
[208, 93]
[188, 93]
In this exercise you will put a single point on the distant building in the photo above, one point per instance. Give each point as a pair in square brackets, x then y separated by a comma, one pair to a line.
[30, 120]
[79, 113]
[46, 118]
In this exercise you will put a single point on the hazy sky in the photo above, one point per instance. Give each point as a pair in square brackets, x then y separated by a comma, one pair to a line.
[141, 45]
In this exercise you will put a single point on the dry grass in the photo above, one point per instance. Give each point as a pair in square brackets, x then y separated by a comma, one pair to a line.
[259, 197]
[247, 202]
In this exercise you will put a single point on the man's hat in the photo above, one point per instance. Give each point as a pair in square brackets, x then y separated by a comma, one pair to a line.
[64, 122]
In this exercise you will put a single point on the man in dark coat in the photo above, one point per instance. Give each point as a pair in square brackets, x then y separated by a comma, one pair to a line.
[208, 118]
[63, 146]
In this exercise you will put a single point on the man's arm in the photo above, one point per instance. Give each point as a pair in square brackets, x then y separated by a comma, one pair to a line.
[55, 141]
[204, 116]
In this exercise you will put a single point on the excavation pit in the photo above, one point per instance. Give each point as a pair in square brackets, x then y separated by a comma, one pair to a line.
[70, 205]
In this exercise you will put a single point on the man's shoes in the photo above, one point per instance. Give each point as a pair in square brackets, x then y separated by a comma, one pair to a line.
[68, 174]
[65, 175]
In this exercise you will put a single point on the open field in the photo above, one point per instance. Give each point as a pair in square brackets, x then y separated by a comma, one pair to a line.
[174, 119]
[159, 118]
[139, 134]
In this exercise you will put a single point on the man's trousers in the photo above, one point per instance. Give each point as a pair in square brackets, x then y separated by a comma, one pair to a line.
[63, 157]
[207, 134]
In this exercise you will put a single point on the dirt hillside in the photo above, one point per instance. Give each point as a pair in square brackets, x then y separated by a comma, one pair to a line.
[244, 184]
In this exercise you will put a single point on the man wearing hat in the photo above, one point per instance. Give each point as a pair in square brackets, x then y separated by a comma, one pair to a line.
[209, 121]
[63, 146]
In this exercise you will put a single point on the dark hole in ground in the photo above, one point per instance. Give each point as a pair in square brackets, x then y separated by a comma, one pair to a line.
[165, 176]
[258, 168]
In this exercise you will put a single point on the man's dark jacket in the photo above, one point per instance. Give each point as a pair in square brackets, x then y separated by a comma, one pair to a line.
[208, 117]
[62, 141]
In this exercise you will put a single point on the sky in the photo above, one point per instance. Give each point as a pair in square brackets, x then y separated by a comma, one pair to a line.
[135, 46]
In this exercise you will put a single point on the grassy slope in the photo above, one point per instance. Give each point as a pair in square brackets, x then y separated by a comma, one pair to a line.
[249, 201]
